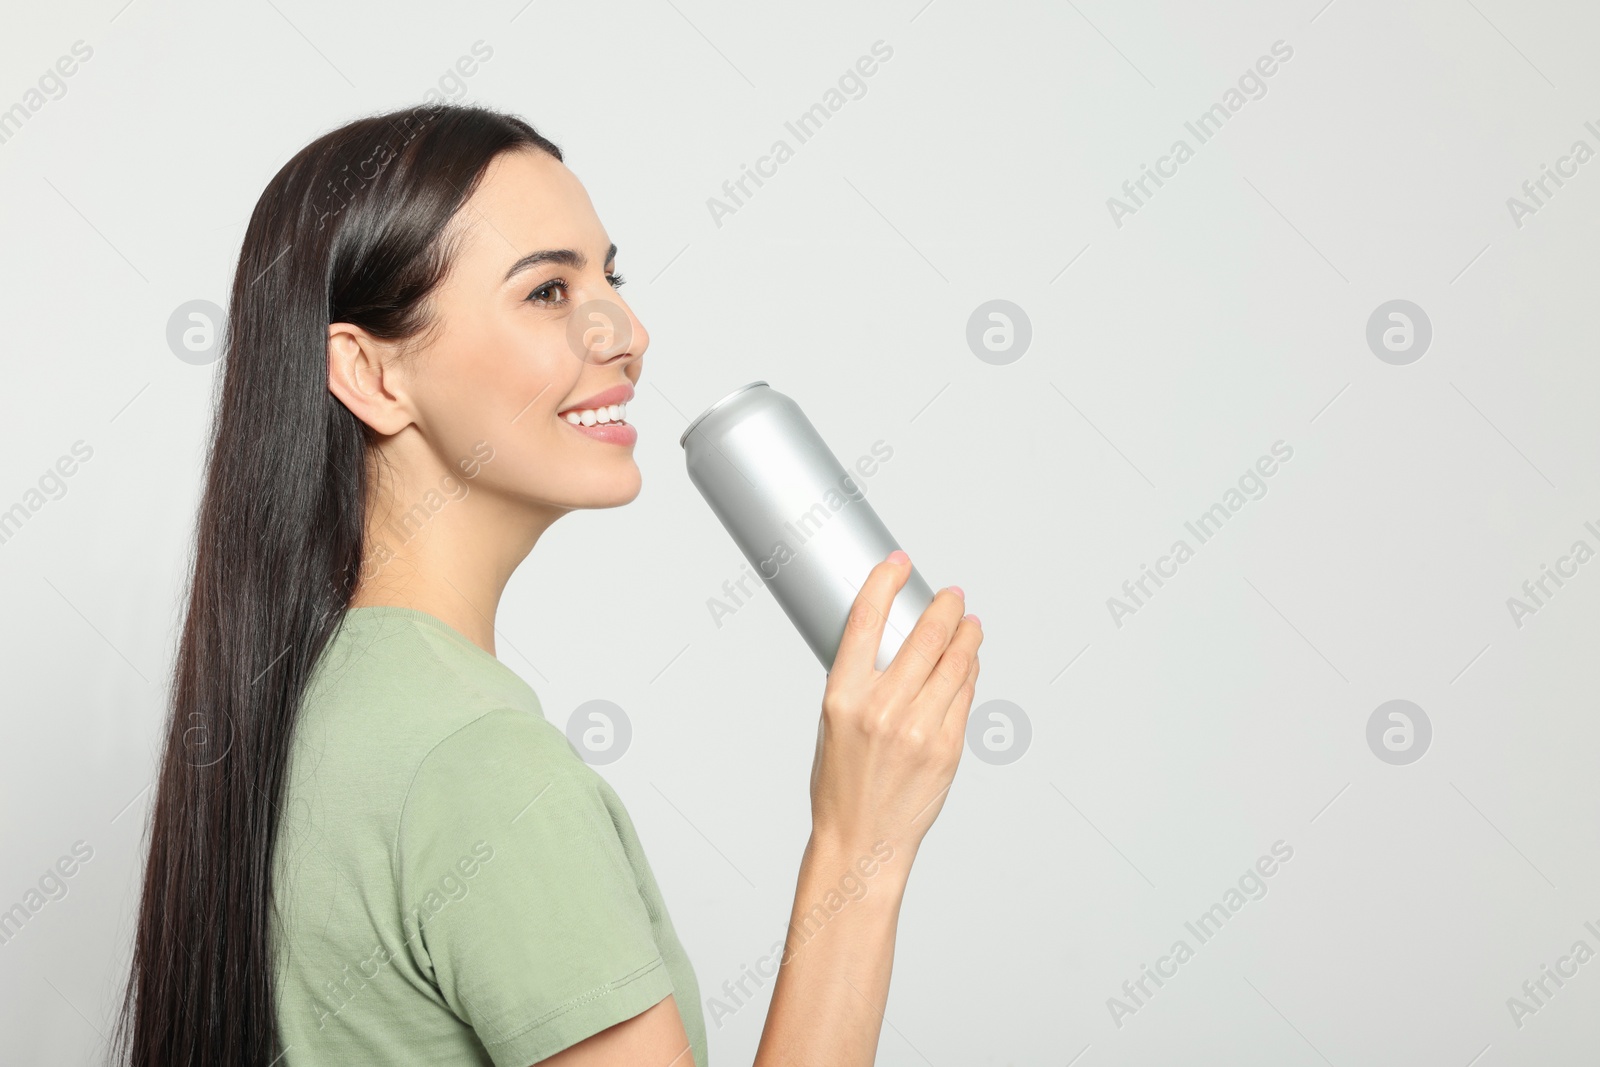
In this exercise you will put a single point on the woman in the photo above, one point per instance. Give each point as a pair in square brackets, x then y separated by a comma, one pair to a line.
[368, 845]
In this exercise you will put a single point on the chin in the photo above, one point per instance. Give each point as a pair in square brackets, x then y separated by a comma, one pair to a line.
[615, 492]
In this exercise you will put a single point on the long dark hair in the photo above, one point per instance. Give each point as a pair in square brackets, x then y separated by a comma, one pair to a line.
[349, 230]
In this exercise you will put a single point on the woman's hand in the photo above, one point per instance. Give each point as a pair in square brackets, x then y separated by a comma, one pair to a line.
[889, 741]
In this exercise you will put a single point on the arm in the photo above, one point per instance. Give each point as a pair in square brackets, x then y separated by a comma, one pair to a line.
[887, 750]
[835, 967]
[653, 1038]
[836, 964]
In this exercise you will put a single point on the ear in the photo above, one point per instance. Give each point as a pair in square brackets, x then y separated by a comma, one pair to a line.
[364, 373]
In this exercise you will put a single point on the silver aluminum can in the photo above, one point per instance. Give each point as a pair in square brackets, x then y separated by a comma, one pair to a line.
[800, 519]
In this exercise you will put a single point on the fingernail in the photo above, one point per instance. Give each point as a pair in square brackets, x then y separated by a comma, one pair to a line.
[898, 556]
[957, 590]
[974, 618]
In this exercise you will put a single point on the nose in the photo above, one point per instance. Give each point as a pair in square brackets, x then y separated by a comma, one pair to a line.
[606, 330]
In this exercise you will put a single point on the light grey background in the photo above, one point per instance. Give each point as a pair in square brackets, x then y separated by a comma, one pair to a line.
[1168, 353]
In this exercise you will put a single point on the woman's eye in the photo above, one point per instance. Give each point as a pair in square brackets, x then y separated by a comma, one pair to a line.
[541, 295]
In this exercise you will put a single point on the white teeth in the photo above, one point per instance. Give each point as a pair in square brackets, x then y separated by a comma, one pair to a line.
[591, 416]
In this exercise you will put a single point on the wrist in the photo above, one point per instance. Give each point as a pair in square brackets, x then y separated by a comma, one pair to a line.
[858, 866]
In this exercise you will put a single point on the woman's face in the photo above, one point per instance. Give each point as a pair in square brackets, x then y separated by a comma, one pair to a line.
[528, 327]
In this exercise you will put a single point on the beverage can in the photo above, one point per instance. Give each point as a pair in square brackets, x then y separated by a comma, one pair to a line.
[798, 516]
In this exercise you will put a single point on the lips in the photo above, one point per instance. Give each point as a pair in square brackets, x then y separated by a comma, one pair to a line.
[617, 394]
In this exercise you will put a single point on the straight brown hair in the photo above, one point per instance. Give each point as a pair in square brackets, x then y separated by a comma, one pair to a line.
[349, 230]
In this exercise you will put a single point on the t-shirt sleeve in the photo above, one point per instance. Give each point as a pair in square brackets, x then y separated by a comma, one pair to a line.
[518, 897]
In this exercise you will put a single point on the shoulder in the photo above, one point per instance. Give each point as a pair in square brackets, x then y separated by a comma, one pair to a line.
[509, 784]
[504, 768]
[522, 903]
[395, 683]
[500, 744]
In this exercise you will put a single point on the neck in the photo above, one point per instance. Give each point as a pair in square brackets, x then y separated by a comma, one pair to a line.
[446, 545]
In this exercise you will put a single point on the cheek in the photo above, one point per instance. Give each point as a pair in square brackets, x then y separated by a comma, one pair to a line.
[505, 367]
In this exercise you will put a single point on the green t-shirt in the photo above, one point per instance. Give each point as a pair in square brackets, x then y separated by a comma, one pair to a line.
[453, 884]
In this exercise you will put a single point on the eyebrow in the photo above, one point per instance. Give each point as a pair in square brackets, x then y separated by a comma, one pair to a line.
[566, 256]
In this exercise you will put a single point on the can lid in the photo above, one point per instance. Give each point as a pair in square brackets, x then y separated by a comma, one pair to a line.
[712, 408]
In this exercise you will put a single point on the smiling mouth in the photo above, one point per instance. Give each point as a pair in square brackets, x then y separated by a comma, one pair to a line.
[606, 406]
[600, 416]
[606, 424]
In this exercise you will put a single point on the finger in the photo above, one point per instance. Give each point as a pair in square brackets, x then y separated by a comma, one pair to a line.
[956, 715]
[863, 628]
[928, 639]
[950, 673]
